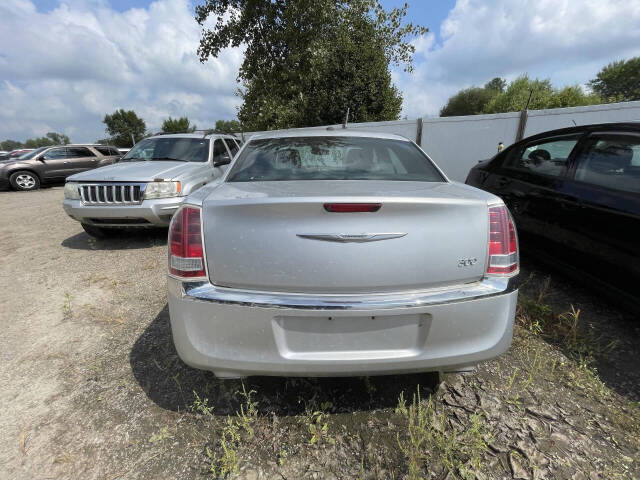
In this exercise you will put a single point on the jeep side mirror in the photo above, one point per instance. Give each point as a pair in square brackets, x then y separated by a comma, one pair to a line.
[223, 159]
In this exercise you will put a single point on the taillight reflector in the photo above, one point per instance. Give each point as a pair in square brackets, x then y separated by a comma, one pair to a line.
[503, 243]
[186, 253]
[352, 207]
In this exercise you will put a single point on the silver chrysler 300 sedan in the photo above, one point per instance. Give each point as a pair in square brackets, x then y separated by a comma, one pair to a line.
[330, 253]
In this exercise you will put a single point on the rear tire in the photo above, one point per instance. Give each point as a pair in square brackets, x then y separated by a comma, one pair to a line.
[99, 232]
[24, 181]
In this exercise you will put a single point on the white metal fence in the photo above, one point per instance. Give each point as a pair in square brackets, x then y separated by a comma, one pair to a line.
[456, 144]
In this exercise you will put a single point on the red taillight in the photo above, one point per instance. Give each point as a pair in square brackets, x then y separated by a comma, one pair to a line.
[186, 254]
[352, 207]
[503, 243]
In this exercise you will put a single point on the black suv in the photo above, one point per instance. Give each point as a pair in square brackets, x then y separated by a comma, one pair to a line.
[53, 164]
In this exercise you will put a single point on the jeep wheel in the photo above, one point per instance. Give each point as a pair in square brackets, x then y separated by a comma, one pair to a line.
[24, 180]
[99, 232]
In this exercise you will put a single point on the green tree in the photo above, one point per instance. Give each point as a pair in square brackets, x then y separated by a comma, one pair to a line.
[9, 145]
[472, 101]
[177, 125]
[307, 61]
[543, 95]
[228, 126]
[51, 138]
[121, 125]
[619, 81]
[496, 84]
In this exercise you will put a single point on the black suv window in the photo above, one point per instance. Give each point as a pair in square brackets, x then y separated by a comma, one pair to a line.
[546, 157]
[78, 152]
[611, 161]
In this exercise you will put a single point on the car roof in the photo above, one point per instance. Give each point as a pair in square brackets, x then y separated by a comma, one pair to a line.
[334, 132]
[628, 126]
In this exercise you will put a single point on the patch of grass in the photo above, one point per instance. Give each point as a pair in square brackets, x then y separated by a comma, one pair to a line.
[431, 438]
[160, 436]
[66, 306]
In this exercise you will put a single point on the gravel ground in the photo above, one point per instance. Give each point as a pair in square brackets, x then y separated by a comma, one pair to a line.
[91, 386]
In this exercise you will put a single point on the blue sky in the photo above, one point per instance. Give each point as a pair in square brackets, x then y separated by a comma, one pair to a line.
[65, 63]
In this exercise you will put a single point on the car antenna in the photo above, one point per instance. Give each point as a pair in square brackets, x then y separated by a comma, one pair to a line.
[346, 119]
[574, 122]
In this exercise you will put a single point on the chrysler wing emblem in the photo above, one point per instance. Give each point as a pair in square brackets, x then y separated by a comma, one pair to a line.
[349, 237]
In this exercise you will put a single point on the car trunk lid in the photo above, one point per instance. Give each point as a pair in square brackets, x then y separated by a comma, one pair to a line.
[281, 236]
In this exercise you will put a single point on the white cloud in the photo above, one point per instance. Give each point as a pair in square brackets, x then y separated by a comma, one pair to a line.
[63, 70]
[565, 40]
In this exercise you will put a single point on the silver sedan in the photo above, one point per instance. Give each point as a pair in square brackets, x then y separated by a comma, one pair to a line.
[340, 253]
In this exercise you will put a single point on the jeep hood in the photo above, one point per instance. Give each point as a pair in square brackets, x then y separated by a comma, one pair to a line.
[135, 172]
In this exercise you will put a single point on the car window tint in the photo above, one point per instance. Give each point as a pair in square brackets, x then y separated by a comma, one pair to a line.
[77, 152]
[55, 153]
[218, 150]
[104, 150]
[611, 161]
[232, 146]
[546, 157]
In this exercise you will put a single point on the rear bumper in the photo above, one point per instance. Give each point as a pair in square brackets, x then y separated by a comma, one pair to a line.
[150, 213]
[236, 333]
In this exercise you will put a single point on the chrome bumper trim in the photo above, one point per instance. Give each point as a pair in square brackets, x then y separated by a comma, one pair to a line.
[205, 291]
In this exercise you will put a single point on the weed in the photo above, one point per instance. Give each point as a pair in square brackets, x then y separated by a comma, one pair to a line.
[315, 419]
[201, 406]
[431, 437]
[226, 463]
[66, 306]
[369, 387]
[248, 410]
[161, 435]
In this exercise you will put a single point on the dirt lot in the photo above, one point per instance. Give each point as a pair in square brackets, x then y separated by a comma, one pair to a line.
[91, 387]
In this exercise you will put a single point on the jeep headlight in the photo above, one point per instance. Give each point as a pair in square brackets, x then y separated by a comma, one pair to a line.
[162, 190]
[71, 191]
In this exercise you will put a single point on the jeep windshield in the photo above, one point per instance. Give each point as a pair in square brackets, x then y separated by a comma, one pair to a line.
[169, 149]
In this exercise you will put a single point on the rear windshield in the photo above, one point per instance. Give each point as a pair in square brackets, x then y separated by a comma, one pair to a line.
[332, 158]
[171, 148]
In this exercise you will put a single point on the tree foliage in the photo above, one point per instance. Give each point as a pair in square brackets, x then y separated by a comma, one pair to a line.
[618, 81]
[472, 101]
[543, 95]
[121, 125]
[228, 126]
[51, 138]
[307, 61]
[177, 125]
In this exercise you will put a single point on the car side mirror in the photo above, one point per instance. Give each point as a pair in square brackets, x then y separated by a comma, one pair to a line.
[223, 159]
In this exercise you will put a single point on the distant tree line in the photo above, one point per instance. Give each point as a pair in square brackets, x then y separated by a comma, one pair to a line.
[125, 127]
[51, 138]
[617, 82]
